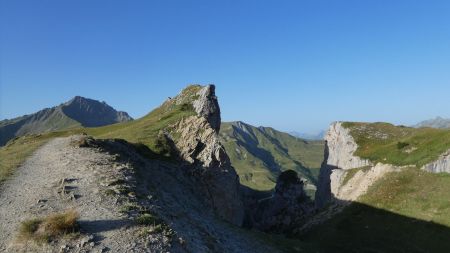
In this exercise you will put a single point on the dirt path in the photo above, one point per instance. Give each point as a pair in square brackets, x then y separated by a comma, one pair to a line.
[60, 176]
[57, 177]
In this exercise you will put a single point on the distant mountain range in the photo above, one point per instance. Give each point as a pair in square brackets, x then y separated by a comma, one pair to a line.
[77, 112]
[260, 154]
[309, 136]
[437, 122]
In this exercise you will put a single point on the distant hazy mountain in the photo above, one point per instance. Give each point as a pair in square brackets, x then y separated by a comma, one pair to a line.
[77, 112]
[437, 122]
[307, 136]
[259, 154]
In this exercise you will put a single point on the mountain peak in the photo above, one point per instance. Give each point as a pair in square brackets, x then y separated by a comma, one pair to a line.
[438, 122]
[78, 111]
[93, 113]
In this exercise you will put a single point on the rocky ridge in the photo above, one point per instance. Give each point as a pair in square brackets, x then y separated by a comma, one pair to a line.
[196, 142]
[199, 146]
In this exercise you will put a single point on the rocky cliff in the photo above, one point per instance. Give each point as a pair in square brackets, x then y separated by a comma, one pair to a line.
[197, 141]
[339, 157]
[343, 175]
[442, 164]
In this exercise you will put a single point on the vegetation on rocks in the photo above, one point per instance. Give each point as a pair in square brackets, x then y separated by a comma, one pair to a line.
[398, 145]
[151, 130]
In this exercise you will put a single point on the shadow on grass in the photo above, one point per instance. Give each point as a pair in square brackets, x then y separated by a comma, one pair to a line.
[362, 228]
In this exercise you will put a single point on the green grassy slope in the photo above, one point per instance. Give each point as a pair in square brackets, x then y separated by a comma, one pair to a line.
[398, 145]
[146, 131]
[406, 211]
[259, 154]
[149, 129]
[44, 121]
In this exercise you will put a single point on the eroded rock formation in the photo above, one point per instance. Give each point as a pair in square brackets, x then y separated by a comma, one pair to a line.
[336, 184]
[198, 144]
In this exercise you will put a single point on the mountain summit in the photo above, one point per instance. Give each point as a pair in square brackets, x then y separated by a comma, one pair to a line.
[92, 113]
[437, 122]
[77, 112]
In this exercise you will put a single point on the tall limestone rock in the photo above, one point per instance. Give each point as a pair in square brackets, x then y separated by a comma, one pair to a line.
[339, 157]
[336, 183]
[197, 142]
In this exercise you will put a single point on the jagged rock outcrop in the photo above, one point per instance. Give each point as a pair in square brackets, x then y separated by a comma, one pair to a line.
[341, 148]
[338, 157]
[442, 164]
[207, 106]
[336, 182]
[286, 209]
[198, 144]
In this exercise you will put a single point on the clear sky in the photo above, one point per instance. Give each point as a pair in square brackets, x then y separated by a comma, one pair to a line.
[294, 65]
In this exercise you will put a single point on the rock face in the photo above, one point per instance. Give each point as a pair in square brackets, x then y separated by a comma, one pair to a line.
[442, 164]
[343, 176]
[286, 209]
[207, 106]
[360, 182]
[339, 157]
[198, 144]
[341, 148]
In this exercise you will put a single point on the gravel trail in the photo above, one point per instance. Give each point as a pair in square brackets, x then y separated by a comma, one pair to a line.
[57, 177]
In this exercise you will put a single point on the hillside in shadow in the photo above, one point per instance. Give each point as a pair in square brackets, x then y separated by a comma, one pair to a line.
[362, 228]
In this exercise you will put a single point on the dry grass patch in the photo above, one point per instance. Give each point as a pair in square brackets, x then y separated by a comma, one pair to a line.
[50, 228]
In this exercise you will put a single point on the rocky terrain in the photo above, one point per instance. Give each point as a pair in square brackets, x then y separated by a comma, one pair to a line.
[78, 112]
[188, 202]
[375, 183]
[167, 183]
[112, 186]
[339, 159]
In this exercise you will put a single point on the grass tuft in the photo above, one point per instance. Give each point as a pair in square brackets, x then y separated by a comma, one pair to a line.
[50, 228]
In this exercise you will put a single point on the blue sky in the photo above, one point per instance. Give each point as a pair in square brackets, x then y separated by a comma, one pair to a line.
[293, 65]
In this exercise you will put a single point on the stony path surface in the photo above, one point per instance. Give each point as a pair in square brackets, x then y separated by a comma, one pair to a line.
[61, 176]
[58, 177]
